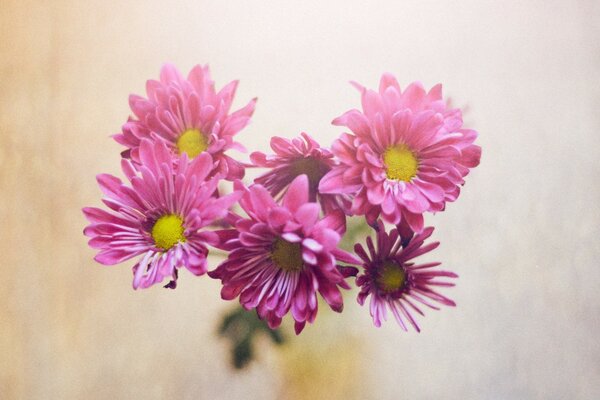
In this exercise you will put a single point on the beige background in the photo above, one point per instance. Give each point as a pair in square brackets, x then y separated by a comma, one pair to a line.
[523, 236]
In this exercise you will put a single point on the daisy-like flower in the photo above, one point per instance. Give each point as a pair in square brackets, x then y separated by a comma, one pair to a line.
[301, 155]
[159, 217]
[394, 282]
[189, 116]
[282, 255]
[408, 154]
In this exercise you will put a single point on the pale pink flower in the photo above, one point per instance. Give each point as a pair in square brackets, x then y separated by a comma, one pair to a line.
[408, 154]
[394, 282]
[159, 217]
[300, 155]
[282, 255]
[190, 116]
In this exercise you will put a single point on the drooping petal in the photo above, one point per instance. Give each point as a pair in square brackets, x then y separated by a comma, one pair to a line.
[297, 194]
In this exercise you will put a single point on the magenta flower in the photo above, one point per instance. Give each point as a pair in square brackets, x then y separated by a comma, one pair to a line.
[408, 154]
[189, 116]
[282, 255]
[393, 281]
[159, 217]
[296, 157]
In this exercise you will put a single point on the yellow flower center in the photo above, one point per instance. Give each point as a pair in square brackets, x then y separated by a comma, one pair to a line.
[311, 168]
[168, 231]
[192, 142]
[400, 163]
[286, 255]
[391, 277]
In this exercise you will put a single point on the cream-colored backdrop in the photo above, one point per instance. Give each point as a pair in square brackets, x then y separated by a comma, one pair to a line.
[523, 235]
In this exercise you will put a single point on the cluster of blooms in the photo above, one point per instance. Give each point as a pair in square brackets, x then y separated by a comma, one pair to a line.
[407, 154]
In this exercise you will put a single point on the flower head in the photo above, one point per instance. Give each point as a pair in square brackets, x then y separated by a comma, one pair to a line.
[190, 116]
[159, 217]
[408, 154]
[301, 155]
[282, 255]
[394, 282]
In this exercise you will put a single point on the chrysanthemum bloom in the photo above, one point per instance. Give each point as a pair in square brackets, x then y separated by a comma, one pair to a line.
[301, 155]
[159, 217]
[282, 255]
[190, 116]
[394, 282]
[408, 154]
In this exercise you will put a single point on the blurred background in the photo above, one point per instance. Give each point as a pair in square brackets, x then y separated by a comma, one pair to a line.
[523, 236]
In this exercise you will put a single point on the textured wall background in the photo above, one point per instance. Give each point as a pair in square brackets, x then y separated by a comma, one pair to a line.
[523, 236]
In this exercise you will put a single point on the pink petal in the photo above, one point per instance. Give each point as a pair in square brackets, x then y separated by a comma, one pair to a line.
[297, 193]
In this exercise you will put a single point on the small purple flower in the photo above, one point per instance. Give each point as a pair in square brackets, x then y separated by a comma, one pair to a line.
[159, 217]
[394, 282]
[282, 255]
[296, 157]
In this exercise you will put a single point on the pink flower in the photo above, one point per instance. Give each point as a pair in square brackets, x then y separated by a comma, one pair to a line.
[296, 157]
[189, 116]
[394, 282]
[282, 255]
[159, 217]
[408, 154]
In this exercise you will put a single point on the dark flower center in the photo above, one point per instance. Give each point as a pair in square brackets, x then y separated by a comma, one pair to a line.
[311, 168]
[391, 277]
[286, 255]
